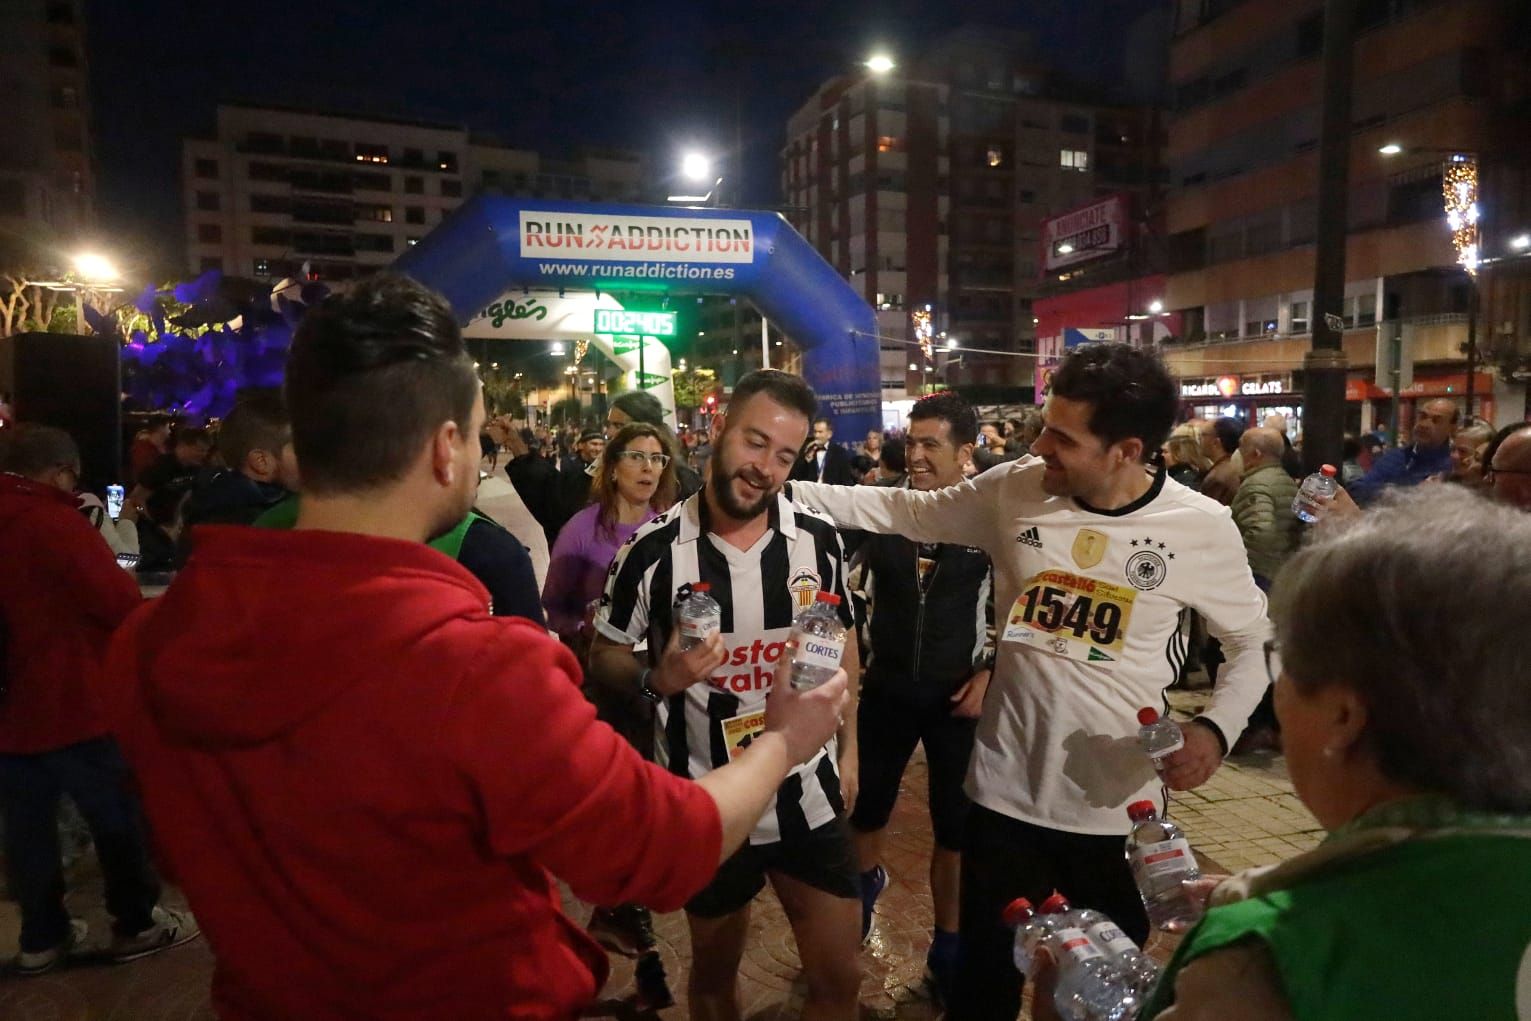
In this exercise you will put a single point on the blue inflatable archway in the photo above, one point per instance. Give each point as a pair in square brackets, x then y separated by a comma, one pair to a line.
[492, 244]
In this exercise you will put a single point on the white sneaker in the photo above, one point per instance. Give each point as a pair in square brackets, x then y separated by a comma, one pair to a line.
[170, 929]
[43, 961]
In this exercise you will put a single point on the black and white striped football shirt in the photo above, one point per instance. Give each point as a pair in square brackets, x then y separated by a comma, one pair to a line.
[761, 590]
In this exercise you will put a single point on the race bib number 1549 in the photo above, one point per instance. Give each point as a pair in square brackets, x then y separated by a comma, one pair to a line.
[1072, 616]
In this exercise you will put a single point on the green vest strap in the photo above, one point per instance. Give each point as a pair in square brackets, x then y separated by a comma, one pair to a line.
[285, 515]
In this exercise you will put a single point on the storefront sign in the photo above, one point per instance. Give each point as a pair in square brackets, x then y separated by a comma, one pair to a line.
[1222, 386]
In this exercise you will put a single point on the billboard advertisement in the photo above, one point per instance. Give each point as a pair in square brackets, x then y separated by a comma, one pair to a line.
[1089, 232]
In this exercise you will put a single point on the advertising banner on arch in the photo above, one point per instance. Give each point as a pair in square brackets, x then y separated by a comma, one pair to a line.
[617, 250]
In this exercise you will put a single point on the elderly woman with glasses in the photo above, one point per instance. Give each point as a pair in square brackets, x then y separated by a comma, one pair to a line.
[634, 481]
[1405, 707]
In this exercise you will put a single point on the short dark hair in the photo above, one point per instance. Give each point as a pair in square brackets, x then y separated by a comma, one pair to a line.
[371, 375]
[1228, 432]
[782, 387]
[952, 410]
[892, 458]
[1130, 392]
[1350, 449]
[827, 423]
[259, 422]
[31, 449]
[640, 407]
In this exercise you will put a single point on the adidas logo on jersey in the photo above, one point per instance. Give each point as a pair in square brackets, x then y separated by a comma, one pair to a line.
[1030, 538]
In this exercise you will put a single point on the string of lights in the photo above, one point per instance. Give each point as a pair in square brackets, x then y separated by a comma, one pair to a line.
[1459, 189]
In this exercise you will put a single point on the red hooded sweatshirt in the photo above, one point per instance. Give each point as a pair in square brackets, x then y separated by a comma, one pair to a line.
[362, 781]
[61, 596]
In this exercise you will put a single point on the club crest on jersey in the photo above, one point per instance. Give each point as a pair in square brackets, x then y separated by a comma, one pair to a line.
[1089, 548]
[1146, 570]
[803, 586]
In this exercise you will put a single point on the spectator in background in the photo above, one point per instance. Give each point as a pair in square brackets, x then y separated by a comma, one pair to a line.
[1022, 432]
[892, 466]
[160, 525]
[574, 477]
[1428, 454]
[188, 453]
[1183, 458]
[1291, 460]
[639, 406]
[1262, 507]
[824, 460]
[1466, 443]
[1350, 468]
[258, 468]
[1219, 442]
[62, 598]
[873, 446]
[534, 477]
[499, 501]
[1507, 466]
[149, 445]
[634, 482]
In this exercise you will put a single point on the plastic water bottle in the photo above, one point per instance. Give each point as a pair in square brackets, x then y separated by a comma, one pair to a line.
[1141, 971]
[1031, 933]
[1159, 738]
[819, 638]
[1161, 861]
[1315, 490]
[1091, 986]
[700, 615]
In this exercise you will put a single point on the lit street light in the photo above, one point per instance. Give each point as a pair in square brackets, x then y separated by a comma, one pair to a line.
[94, 268]
[1521, 242]
[695, 166]
[1156, 306]
[880, 63]
[1391, 149]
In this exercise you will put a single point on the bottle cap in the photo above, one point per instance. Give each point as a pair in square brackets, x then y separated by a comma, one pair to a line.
[701, 586]
[1055, 904]
[1329, 470]
[1140, 810]
[1018, 911]
[1148, 715]
[829, 597]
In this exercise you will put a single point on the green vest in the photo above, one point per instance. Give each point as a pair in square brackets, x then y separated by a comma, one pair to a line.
[285, 515]
[1436, 925]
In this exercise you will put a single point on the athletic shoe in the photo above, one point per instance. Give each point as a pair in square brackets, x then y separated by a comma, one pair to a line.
[873, 882]
[941, 972]
[41, 962]
[653, 987]
[620, 930]
[170, 929]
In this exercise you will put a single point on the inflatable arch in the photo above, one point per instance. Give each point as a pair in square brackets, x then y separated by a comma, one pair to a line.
[493, 246]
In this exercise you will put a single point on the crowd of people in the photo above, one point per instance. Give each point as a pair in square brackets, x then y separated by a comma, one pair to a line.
[415, 662]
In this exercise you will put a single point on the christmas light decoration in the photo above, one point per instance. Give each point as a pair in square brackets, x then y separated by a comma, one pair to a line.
[1459, 189]
[924, 328]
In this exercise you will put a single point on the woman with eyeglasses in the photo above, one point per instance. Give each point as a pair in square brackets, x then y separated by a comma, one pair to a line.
[634, 481]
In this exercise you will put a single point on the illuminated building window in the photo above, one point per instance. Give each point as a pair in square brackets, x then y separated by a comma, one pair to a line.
[1074, 159]
[994, 157]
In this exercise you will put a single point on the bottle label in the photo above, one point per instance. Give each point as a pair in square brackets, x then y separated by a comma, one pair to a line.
[816, 650]
[1108, 935]
[698, 627]
[1073, 943]
[1164, 858]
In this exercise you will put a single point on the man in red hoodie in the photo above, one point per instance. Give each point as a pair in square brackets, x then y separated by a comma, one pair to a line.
[62, 596]
[368, 814]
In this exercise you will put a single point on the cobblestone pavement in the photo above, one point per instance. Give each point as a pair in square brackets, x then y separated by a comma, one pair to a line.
[1246, 815]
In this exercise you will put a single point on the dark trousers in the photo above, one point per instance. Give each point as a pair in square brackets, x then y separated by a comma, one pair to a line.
[95, 776]
[1004, 858]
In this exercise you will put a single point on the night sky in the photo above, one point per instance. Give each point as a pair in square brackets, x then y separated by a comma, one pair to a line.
[649, 75]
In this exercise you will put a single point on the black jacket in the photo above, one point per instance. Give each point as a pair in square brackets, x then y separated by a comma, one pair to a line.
[837, 466]
[925, 647]
[536, 482]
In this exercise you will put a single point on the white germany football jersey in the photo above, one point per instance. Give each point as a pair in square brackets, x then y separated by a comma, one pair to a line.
[1087, 620]
[760, 590]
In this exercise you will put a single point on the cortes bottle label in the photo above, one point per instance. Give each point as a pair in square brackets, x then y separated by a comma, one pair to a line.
[1164, 858]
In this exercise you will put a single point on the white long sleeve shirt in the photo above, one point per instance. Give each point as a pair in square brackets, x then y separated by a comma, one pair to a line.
[1088, 615]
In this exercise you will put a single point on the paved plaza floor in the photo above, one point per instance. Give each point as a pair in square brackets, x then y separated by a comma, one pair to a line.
[1246, 815]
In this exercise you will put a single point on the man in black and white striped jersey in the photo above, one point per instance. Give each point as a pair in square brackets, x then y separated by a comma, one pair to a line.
[765, 559]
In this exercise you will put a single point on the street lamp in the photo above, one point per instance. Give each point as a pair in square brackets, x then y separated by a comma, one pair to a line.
[1156, 306]
[879, 63]
[94, 268]
[697, 167]
[1521, 242]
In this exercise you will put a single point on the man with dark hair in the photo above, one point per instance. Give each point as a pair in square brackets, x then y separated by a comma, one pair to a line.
[1428, 454]
[765, 559]
[1096, 558]
[1219, 442]
[259, 468]
[824, 460]
[187, 454]
[149, 443]
[638, 406]
[366, 813]
[574, 476]
[925, 681]
[63, 596]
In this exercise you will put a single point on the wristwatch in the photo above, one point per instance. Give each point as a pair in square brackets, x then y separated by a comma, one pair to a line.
[645, 692]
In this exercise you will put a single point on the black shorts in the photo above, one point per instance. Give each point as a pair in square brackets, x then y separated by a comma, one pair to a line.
[823, 858]
[887, 729]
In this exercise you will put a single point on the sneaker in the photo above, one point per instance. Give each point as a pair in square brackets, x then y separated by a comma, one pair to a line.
[653, 987]
[43, 961]
[941, 974]
[618, 930]
[873, 882]
[170, 929]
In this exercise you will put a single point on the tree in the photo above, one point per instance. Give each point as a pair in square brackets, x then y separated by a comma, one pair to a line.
[25, 306]
[693, 386]
[568, 411]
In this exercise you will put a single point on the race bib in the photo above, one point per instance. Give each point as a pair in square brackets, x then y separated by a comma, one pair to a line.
[740, 731]
[1072, 616]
